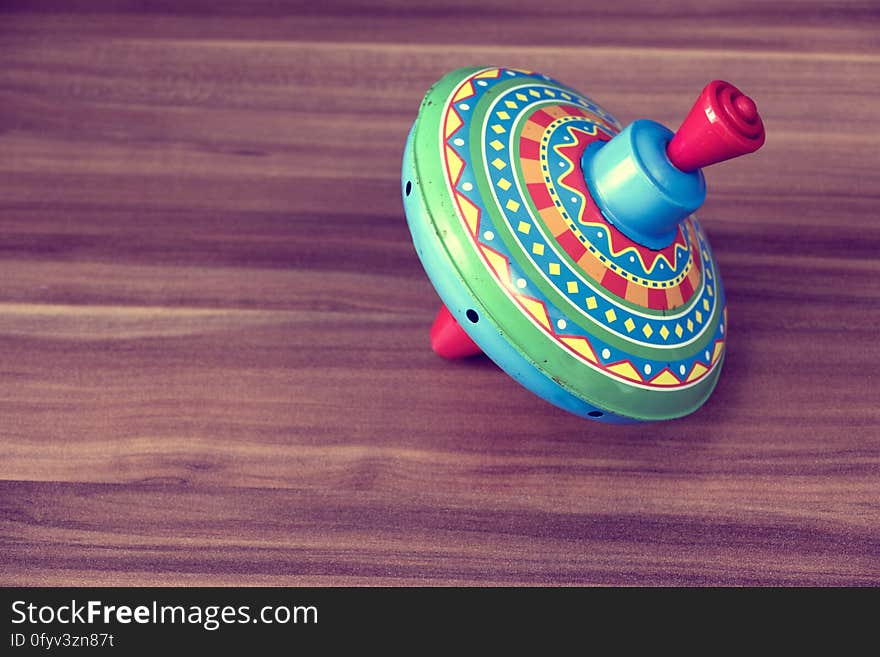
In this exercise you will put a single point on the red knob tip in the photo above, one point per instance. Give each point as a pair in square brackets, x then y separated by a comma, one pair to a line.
[723, 123]
[746, 108]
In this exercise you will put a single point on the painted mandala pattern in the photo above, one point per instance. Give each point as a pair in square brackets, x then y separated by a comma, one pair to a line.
[512, 144]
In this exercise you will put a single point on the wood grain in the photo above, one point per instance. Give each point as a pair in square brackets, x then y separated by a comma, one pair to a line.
[213, 326]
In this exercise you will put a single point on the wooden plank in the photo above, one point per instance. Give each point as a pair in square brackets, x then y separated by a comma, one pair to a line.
[214, 365]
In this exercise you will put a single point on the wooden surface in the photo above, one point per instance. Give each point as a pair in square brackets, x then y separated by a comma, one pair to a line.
[213, 326]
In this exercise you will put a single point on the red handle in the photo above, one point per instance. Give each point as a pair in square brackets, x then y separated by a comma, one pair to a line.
[723, 123]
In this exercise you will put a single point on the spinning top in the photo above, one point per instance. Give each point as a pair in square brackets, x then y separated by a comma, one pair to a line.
[564, 248]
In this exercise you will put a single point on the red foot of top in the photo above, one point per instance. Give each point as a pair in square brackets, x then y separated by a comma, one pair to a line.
[449, 340]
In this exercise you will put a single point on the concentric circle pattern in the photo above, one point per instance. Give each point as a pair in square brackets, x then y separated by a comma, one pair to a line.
[512, 142]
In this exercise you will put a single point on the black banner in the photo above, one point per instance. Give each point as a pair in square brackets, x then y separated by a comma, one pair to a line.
[133, 620]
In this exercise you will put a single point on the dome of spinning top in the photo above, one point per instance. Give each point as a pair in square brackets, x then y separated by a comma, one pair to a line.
[565, 247]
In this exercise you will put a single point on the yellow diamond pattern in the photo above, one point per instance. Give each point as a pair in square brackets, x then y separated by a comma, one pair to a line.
[610, 315]
[699, 317]
[690, 326]
[504, 183]
[591, 303]
[512, 205]
[498, 129]
[538, 248]
[647, 330]
[664, 332]
[497, 145]
[629, 324]
[552, 94]
[554, 268]
[521, 97]
[534, 93]
[511, 104]
[710, 290]
[678, 330]
[572, 287]
[706, 305]
[524, 228]
[498, 163]
[502, 115]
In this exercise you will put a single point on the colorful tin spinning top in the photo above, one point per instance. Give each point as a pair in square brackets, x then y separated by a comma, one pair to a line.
[565, 248]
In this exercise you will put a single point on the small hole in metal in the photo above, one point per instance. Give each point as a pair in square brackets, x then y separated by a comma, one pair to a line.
[473, 316]
[408, 187]
[595, 413]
